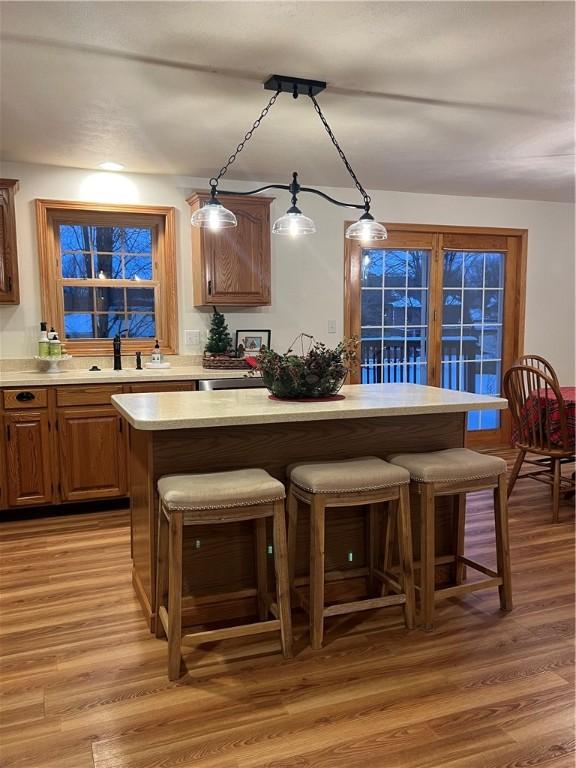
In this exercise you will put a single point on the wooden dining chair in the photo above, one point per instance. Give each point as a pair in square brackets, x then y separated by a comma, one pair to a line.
[540, 427]
[536, 361]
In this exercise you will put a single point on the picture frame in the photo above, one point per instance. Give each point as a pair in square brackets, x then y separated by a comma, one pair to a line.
[252, 341]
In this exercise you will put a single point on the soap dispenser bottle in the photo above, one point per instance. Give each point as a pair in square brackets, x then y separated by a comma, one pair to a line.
[43, 341]
[156, 354]
[55, 348]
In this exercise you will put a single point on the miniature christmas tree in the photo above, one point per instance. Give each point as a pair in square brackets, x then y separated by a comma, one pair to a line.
[219, 340]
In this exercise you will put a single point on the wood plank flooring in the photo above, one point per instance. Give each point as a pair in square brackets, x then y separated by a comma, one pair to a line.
[83, 684]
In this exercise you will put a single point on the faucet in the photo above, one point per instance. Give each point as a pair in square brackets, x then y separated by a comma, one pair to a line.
[117, 345]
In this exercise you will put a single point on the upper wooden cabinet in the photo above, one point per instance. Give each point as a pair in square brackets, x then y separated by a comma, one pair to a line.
[9, 290]
[232, 266]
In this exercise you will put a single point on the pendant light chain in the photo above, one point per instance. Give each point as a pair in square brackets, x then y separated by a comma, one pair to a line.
[215, 179]
[365, 195]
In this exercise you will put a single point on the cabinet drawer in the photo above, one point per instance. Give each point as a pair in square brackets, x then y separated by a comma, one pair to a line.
[165, 386]
[31, 397]
[92, 394]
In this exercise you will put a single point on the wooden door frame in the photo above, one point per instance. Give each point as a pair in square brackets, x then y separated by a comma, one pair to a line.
[429, 237]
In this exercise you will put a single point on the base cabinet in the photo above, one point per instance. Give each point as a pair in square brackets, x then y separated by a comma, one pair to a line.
[28, 458]
[92, 448]
[66, 443]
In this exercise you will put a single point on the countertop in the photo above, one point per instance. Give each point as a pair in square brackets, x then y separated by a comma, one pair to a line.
[109, 376]
[189, 410]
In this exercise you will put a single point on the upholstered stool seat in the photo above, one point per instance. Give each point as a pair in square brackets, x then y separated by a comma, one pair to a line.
[456, 472]
[220, 497]
[367, 473]
[219, 490]
[366, 481]
[452, 465]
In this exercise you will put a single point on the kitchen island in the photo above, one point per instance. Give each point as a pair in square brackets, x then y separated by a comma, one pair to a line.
[180, 432]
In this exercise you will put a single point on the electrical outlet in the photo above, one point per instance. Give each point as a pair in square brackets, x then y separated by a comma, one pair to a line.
[192, 338]
[331, 326]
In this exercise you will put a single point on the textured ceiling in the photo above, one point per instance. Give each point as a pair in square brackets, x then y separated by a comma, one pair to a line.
[466, 98]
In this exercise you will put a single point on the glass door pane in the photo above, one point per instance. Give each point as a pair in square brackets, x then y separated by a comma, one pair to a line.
[472, 309]
[394, 315]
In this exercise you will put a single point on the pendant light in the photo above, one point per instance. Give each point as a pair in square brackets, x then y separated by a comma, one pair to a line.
[366, 229]
[213, 216]
[294, 223]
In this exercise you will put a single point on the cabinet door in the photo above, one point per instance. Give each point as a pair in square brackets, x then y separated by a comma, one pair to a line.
[232, 266]
[92, 454]
[9, 293]
[3, 469]
[29, 459]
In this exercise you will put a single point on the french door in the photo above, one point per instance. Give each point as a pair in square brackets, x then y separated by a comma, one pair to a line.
[442, 306]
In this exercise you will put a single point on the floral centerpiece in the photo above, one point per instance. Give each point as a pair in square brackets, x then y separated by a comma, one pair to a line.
[316, 372]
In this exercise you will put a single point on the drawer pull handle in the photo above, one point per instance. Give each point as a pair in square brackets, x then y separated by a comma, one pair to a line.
[23, 397]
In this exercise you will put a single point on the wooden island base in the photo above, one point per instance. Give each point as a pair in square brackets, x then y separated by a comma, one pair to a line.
[220, 559]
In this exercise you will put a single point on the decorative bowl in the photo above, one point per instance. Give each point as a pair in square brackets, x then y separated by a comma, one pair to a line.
[316, 373]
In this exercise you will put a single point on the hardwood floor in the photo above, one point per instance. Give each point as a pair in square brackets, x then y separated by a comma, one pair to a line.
[83, 684]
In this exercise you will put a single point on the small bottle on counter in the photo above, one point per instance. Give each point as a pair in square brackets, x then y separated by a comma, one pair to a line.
[156, 354]
[43, 341]
[55, 349]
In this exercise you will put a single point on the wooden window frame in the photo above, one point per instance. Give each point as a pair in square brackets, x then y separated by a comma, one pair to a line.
[50, 213]
[430, 237]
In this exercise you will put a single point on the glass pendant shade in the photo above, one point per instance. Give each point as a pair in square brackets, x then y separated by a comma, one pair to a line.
[213, 216]
[294, 223]
[366, 229]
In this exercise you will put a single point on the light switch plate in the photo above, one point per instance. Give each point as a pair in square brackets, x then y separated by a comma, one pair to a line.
[192, 338]
[331, 326]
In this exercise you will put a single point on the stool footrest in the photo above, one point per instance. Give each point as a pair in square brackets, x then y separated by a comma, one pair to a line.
[163, 616]
[348, 573]
[364, 605]
[191, 601]
[478, 567]
[463, 589]
[300, 600]
[441, 560]
[387, 579]
[225, 633]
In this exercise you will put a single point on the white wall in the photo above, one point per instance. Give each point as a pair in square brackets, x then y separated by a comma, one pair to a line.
[307, 274]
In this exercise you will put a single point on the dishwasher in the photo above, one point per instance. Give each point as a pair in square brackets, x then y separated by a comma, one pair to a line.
[245, 382]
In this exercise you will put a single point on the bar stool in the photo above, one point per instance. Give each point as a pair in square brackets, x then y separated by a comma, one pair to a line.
[354, 482]
[220, 497]
[456, 472]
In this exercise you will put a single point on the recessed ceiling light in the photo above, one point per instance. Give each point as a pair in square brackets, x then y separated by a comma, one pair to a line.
[109, 166]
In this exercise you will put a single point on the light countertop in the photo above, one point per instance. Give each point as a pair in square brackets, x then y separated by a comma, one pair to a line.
[109, 376]
[189, 410]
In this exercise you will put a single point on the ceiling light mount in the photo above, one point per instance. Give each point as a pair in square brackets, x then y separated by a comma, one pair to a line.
[108, 165]
[297, 86]
[214, 215]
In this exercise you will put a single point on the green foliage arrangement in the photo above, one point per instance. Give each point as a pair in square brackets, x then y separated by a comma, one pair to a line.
[219, 340]
[317, 372]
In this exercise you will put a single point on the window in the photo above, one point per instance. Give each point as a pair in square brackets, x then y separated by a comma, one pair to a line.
[394, 298]
[106, 270]
[440, 306]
